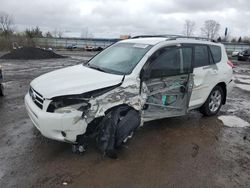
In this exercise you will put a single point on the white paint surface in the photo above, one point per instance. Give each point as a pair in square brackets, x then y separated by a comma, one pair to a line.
[233, 121]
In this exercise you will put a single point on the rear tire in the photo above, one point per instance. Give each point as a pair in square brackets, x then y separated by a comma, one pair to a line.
[213, 103]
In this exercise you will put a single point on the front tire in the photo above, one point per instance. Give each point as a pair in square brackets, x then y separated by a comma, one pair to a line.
[213, 103]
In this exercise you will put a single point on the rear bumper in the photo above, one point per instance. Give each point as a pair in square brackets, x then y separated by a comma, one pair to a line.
[51, 125]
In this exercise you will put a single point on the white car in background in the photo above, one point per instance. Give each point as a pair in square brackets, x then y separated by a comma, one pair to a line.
[129, 83]
[235, 53]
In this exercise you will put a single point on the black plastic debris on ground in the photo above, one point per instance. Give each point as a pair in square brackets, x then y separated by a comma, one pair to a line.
[28, 53]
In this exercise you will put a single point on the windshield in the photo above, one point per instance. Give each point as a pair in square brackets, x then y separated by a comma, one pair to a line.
[120, 58]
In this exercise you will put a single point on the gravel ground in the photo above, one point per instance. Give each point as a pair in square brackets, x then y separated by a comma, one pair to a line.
[190, 151]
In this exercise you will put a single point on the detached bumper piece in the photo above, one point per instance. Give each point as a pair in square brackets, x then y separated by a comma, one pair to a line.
[115, 127]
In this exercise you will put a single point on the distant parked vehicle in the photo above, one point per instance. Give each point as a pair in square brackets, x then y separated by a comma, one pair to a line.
[95, 49]
[244, 55]
[89, 48]
[1, 84]
[98, 49]
[71, 47]
[235, 53]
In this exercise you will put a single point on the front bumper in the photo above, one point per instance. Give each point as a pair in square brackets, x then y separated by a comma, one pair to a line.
[62, 127]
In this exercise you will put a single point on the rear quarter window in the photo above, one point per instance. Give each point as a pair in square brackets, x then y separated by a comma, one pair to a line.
[201, 56]
[216, 53]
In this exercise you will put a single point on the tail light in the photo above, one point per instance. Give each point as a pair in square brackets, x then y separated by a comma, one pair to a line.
[230, 63]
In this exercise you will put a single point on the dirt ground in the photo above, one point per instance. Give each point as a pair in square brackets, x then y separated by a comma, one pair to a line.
[190, 151]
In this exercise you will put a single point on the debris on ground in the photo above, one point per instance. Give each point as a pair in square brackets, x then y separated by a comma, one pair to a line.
[195, 150]
[65, 183]
[28, 53]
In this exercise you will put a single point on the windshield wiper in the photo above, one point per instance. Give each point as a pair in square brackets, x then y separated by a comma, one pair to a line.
[96, 68]
[104, 70]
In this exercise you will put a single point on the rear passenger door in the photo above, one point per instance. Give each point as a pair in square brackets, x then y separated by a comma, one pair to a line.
[168, 78]
[205, 72]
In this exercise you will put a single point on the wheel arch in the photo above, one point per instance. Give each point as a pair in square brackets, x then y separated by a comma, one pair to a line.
[224, 88]
[117, 106]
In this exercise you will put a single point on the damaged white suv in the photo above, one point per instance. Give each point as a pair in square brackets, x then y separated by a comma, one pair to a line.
[127, 84]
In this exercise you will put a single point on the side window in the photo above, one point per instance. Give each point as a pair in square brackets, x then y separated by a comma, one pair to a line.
[201, 56]
[186, 59]
[166, 63]
[216, 53]
[170, 61]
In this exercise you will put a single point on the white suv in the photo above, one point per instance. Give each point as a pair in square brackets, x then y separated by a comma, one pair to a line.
[131, 82]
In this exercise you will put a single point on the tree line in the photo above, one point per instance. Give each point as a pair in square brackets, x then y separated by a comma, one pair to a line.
[210, 30]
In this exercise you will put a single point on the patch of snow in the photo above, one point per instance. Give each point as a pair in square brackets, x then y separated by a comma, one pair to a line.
[244, 81]
[242, 76]
[231, 110]
[243, 87]
[233, 121]
[65, 183]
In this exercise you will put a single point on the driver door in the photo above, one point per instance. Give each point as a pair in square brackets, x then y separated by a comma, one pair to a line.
[169, 80]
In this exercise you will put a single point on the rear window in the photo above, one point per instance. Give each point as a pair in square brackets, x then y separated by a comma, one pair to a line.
[216, 53]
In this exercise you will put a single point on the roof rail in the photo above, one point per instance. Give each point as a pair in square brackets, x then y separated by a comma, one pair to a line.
[172, 37]
[164, 36]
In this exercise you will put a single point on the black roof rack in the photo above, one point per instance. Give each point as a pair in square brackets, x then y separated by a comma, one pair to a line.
[172, 37]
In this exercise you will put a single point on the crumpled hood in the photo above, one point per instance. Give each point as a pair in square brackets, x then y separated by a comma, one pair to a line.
[72, 80]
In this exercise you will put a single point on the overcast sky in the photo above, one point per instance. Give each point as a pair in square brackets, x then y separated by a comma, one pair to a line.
[112, 18]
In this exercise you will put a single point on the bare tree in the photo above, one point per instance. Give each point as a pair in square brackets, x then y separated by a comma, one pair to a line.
[86, 33]
[33, 33]
[246, 39]
[48, 35]
[6, 23]
[189, 27]
[57, 33]
[60, 33]
[240, 40]
[210, 29]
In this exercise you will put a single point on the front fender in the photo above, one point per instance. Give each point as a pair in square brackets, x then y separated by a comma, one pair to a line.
[128, 95]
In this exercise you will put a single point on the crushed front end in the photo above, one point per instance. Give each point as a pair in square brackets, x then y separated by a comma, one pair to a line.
[54, 119]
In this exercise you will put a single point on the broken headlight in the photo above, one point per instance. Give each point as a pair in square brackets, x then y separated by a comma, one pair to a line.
[67, 105]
